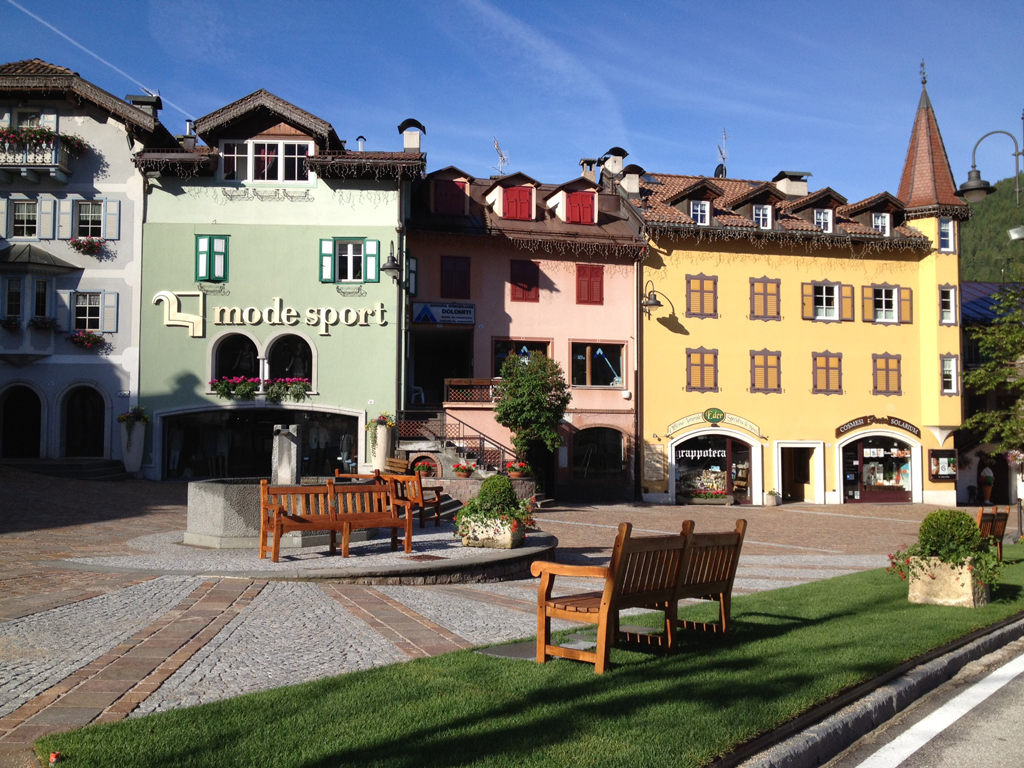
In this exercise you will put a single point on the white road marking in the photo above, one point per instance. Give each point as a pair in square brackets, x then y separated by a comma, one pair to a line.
[898, 750]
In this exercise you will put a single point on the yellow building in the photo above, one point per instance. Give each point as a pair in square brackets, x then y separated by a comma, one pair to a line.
[793, 342]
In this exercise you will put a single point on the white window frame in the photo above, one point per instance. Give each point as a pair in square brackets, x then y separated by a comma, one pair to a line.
[700, 212]
[947, 233]
[881, 223]
[15, 204]
[947, 306]
[96, 219]
[762, 215]
[822, 294]
[948, 372]
[349, 258]
[885, 305]
[823, 219]
[250, 161]
[89, 323]
[17, 117]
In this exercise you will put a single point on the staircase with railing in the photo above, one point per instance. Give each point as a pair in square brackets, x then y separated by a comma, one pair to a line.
[440, 431]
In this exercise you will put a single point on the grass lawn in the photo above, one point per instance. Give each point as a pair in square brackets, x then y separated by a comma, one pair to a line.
[791, 649]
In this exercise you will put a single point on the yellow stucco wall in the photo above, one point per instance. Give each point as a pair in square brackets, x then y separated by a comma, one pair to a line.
[796, 415]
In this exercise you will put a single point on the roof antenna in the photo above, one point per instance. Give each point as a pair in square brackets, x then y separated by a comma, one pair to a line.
[502, 159]
[723, 155]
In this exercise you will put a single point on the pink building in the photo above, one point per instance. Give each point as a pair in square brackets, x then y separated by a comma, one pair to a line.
[508, 266]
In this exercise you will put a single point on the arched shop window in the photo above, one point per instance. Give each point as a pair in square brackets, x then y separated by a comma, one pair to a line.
[236, 356]
[877, 470]
[597, 453]
[711, 467]
[291, 358]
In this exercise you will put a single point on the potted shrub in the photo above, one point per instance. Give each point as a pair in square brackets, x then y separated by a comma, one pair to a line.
[517, 468]
[771, 499]
[378, 431]
[42, 323]
[423, 468]
[464, 470]
[495, 517]
[951, 564]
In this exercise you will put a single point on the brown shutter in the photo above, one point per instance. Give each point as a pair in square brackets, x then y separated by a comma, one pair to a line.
[906, 305]
[771, 301]
[710, 299]
[867, 303]
[820, 378]
[807, 300]
[835, 372]
[772, 372]
[846, 302]
[757, 370]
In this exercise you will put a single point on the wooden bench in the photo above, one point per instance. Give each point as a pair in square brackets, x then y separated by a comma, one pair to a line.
[373, 506]
[642, 572]
[423, 495]
[708, 572]
[993, 524]
[285, 508]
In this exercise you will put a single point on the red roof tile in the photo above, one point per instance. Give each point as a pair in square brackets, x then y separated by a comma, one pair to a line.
[927, 179]
[33, 67]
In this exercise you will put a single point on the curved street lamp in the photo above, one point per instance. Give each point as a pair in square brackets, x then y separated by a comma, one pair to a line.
[975, 189]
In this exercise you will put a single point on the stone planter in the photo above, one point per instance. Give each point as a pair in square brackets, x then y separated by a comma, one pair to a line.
[383, 449]
[131, 446]
[770, 500]
[938, 583]
[496, 536]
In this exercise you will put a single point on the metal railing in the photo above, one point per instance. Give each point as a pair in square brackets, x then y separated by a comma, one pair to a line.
[452, 432]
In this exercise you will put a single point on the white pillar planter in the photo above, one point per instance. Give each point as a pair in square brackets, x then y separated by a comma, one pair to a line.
[383, 449]
[131, 446]
[938, 583]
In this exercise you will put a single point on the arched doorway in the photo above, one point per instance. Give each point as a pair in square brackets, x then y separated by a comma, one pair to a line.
[712, 466]
[22, 417]
[290, 358]
[236, 356]
[84, 413]
[598, 454]
[878, 469]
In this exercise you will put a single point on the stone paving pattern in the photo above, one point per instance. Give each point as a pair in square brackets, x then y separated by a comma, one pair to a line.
[83, 645]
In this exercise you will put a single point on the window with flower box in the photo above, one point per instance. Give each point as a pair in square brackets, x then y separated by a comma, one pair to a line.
[211, 258]
[88, 219]
[349, 260]
[94, 311]
[100, 217]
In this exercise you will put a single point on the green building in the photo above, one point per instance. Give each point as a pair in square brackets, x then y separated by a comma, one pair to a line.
[261, 283]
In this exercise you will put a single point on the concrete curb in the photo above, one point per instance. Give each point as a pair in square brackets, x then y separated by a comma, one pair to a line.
[823, 741]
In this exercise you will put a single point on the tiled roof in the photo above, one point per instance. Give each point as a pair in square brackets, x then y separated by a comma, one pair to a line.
[211, 126]
[377, 165]
[33, 67]
[927, 180]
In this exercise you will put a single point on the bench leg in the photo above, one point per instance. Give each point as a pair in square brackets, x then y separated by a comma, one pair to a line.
[671, 616]
[334, 545]
[725, 611]
[604, 642]
[543, 634]
[346, 531]
[408, 535]
[276, 551]
[394, 539]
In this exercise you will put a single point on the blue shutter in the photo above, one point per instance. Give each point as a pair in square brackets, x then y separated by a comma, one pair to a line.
[65, 214]
[48, 119]
[45, 217]
[3, 218]
[202, 258]
[326, 261]
[371, 270]
[108, 316]
[5, 117]
[64, 300]
[111, 219]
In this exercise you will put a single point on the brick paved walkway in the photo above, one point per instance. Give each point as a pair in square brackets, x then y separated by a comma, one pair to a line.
[219, 637]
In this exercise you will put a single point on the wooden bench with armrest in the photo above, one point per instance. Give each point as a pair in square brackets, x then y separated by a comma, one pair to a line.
[425, 495]
[286, 508]
[642, 572]
[373, 506]
[708, 572]
[993, 524]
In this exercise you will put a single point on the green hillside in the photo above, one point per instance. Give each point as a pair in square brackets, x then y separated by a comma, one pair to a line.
[986, 251]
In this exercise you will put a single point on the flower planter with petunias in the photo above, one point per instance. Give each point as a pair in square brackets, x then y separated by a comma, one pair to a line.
[236, 387]
[90, 246]
[295, 390]
[87, 339]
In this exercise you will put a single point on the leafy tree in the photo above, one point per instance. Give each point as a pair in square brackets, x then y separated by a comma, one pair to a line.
[530, 400]
[1001, 347]
[986, 252]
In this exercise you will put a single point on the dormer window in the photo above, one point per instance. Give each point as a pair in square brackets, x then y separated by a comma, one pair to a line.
[881, 223]
[518, 203]
[579, 207]
[763, 216]
[265, 161]
[823, 219]
[700, 212]
[449, 197]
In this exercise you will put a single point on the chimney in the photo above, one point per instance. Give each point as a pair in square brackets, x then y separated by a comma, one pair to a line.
[792, 184]
[631, 180]
[588, 168]
[612, 161]
[411, 137]
[149, 104]
[362, 143]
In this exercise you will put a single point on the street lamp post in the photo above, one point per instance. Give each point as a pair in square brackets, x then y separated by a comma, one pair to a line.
[975, 189]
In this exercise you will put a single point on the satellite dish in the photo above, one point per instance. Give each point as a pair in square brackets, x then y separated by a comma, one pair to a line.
[502, 158]
[720, 171]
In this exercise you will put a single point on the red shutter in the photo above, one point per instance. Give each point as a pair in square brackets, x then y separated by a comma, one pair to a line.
[525, 278]
[580, 208]
[597, 284]
[449, 197]
[582, 283]
[517, 203]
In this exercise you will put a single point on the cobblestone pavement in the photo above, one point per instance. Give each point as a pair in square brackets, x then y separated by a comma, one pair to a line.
[80, 646]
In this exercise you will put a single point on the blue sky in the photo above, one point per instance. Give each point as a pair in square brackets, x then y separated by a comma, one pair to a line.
[826, 87]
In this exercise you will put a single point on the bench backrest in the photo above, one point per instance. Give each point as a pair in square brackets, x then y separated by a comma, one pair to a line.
[365, 500]
[350, 476]
[642, 570]
[986, 521]
[710, 563]
[397, 466]
[297, 500]
[406, 487]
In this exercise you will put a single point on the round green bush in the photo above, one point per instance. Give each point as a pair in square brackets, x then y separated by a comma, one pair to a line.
[949, 534]
[497, 493]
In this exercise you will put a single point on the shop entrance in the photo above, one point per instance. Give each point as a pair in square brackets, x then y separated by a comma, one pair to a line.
[438, 354]
[877, 470]
[22, 415]
[712, 466]
[796, 474]
[84, 413]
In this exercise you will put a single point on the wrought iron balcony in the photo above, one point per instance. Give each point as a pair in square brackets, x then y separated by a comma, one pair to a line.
[31, 161]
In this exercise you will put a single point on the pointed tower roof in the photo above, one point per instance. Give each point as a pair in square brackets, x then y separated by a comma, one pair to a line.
[927, 187]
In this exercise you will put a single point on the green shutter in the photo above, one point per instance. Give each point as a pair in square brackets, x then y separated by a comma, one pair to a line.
[219, 261]
[371, 265]
[327, 261]
[202, 257]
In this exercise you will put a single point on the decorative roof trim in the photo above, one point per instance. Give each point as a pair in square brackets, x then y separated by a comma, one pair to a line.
[390, 165]
[957, 212]
[561, 244]
[263, 99]
[83, 89]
